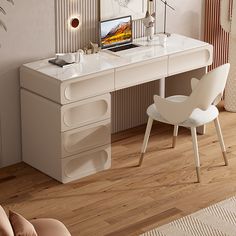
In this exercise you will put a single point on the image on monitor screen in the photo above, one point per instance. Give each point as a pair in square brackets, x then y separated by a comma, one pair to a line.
[116, 32]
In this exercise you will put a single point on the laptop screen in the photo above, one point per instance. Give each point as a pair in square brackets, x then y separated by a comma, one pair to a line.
[116, 32]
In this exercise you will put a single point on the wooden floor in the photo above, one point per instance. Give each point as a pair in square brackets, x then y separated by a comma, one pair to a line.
[127, 200]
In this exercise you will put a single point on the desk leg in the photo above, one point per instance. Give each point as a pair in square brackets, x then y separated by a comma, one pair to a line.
[162, 88]
[202, 129]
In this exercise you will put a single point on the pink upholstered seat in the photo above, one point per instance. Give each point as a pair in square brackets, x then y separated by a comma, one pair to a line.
[43, 227]
[49, 227]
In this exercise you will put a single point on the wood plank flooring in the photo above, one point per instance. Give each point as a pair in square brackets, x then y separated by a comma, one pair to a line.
[127, 200]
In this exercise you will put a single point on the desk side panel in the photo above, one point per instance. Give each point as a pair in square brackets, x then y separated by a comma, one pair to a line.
[41, 136]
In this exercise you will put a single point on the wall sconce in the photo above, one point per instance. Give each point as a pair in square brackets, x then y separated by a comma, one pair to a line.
[74, 22]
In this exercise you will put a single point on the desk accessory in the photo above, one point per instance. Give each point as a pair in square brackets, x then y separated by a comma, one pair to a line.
[60, 62]
[116, 34]
[165, 16]
[163, 40]
[95, 47]
[149, 21]
[67, 59]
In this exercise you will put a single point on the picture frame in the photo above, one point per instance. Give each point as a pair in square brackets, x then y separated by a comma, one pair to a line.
[110, 9]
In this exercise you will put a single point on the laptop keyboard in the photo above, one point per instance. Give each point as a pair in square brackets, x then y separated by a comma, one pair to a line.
[125, 47]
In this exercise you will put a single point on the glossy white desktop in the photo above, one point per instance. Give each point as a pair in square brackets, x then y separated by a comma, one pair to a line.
[66, 112]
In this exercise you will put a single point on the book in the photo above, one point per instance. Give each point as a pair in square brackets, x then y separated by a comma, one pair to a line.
[59, 62]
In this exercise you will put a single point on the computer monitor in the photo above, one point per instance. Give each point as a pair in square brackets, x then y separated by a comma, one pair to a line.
[116, 32]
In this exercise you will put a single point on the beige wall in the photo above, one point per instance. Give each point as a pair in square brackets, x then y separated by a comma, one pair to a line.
[30, 36]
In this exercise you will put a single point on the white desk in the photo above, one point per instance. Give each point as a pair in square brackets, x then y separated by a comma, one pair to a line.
[66, 112]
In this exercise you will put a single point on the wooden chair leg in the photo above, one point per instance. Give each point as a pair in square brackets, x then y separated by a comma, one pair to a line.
[221, 140]
[176, 129]
[145, 141]
[196, 153]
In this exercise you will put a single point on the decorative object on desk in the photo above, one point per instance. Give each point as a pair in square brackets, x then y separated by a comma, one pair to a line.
[149, 21]
[228, 23]
[95, 47]
[74, 22]
[117, 8]
[165, 16]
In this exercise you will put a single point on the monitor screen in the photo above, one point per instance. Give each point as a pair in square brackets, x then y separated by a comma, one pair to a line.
[116, 32]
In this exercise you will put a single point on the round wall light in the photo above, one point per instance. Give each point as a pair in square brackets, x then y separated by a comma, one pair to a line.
[74, 23]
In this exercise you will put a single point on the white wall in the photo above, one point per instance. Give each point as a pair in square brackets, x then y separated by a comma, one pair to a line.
[30, 36]
[187, 19]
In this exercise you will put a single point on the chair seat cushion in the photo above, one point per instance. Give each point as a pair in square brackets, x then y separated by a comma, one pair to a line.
[197, 118]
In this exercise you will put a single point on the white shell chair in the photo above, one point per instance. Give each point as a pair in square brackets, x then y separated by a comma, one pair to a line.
[196, 110]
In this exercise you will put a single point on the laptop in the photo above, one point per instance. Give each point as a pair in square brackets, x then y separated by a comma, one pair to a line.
[116, 34]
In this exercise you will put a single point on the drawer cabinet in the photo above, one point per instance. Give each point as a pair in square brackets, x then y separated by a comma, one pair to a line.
[187, 61]
[86, 138]
[131, 75]
[87, 87]
[87, 163]
[85, 112]
[70, 141]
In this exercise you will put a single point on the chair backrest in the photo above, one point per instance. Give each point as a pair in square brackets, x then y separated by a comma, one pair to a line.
[206, 92]
[210, 88]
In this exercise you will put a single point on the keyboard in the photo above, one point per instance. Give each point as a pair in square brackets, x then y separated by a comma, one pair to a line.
[124, 47]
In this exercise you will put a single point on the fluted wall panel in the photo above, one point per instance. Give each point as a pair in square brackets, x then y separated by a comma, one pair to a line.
[125, 112]
[214, 33]
[68, 39]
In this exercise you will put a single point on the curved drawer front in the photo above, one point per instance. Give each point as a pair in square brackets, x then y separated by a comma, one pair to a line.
[86, 163]
[86, 138]
[86, 112]
[88, 87]
[141, 72]
[191, 60]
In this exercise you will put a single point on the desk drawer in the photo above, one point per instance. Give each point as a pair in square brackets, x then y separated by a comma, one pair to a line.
[191, 60]
[141, 73]
[87, 163]
[85, 112]
[88, 86]
[86, 138]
